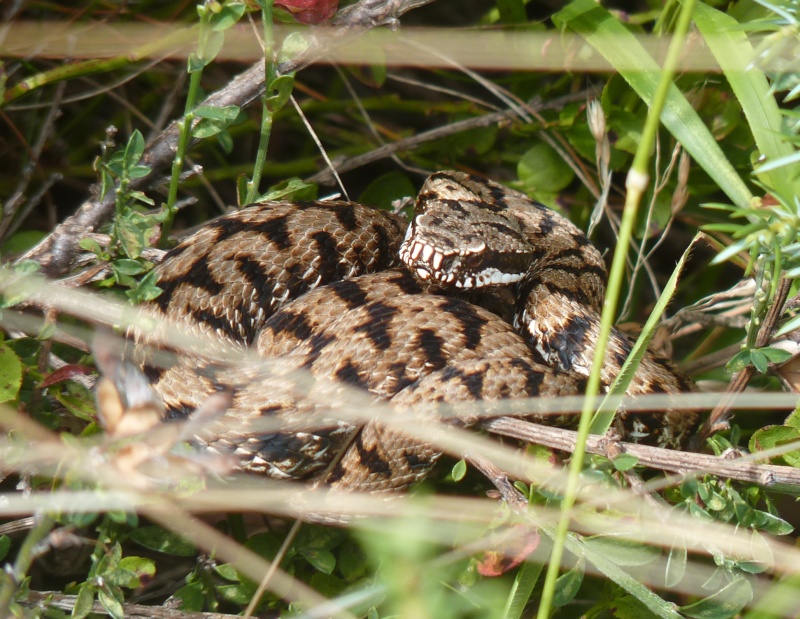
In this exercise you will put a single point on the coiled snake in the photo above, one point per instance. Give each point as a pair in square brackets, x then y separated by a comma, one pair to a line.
[321, 286]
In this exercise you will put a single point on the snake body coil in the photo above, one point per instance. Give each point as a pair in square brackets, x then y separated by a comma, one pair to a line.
[319, 286]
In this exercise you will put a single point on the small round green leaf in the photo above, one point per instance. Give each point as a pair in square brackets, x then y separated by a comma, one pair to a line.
[164, 541]
[723, 604]
[541, 170]
[10, 374]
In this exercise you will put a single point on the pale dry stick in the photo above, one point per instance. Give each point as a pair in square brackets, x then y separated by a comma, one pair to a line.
[56, 252]
[514, 104]
[313, 134]
[698, 535]
[439, 512]
[780, 478]
[371, 126]
[521, 109]
[404, 79]
[474, 514]
[410, 143]
[158, 508]
[643, 255]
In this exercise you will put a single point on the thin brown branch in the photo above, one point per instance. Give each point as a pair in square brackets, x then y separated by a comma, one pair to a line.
[782, 478]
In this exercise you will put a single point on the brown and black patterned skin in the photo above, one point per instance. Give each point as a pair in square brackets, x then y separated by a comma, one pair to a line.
[559, 279]
[317, 286]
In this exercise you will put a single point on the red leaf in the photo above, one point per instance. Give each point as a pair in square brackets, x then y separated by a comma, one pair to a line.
[310, 11]
[509, 552]
[65, 373]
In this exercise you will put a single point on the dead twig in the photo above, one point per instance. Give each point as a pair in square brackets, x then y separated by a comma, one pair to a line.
[781, 478]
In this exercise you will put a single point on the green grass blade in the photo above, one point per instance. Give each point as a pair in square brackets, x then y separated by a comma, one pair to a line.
[733, 51]
[521, 590]
[620, 48]
[605, 414]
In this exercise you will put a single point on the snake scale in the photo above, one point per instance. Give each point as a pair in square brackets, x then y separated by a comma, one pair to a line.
[352, 293]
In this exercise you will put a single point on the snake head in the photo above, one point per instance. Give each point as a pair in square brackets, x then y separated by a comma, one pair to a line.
[458, 238]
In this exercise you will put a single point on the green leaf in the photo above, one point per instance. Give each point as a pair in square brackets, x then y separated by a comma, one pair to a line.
[459, 470]
[732, 49]
[227, 113]
[146, 290]
[239, 593]
[280, 89]
[5, 546]
[228, 572]
[293, 45]
[83, 602]
[291, 189]
[723, 604]
[542, 171]
[111, 603]
[776, 355]
[653, 603]
[77, 399]
[623, 552]
[773, 525]
[621, 48]
[520, 594]
[134, 149]
[352, 562]
[141, 197]
[131, 236]
[625, 462]
[90, 245]
[739, 361]
[568, 584]
[759, 360]
[140, 567]
[168, 542]
[213, 45]
[192, 597]
[793, 419]
[126, 266]
[676, 564]
[10, 374]
[138, 171]
[22, 241]
[213, 120]
[780, 162]
[386, 189]
[771, 437]
[265, 544]
[228, 16]
[194, 63]
[321, 560]
[512, 11]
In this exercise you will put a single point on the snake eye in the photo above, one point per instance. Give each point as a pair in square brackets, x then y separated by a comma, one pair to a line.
[472, 261]
[447, 263]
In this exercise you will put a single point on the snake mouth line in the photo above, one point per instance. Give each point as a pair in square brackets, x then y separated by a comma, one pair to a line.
[453, 268]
